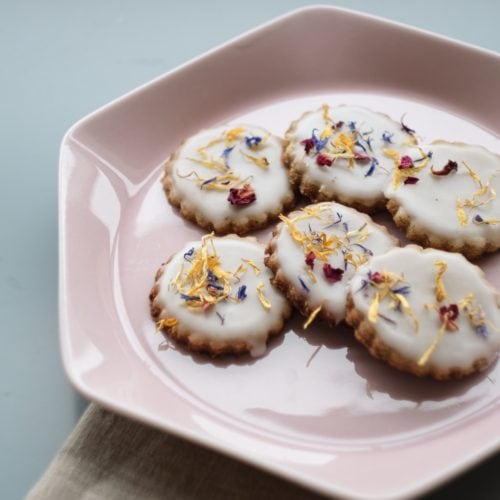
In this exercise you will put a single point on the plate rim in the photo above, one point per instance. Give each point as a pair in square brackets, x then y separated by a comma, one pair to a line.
[207, 441]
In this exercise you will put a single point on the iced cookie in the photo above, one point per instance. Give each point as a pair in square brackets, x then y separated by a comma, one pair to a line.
[229, 179]
[338, 154]
[315, 251]
[448, 202]
[216, 297]
[427, 312]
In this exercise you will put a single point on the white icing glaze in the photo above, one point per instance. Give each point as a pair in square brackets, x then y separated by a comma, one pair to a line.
[246, 320]
[271, 184]
[290, 254]
[340, 178]
[431, 202]
[457, 349]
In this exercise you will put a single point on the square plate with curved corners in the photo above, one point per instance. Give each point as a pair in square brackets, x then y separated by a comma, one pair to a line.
[316, 409]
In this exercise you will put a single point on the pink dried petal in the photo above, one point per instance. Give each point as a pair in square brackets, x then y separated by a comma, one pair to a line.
[405, 162]
[361, 156]
[242, 196]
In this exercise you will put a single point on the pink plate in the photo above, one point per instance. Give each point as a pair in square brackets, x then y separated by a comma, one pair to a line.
[317, 409]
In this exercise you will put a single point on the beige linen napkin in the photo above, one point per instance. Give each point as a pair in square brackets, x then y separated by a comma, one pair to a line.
[111, 457]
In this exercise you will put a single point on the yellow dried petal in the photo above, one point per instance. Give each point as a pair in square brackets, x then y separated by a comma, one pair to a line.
[253, 265]
[373, 311]
[486, 221]
[344, 142]
[326, 113]
[312, 317]
[261, 162]
[263, 299]
[462, 216]
[327, 132]
[428, 352]
[473, 174]
[465, 302]
[165, 323]
[234, 133]
[439, 287]
[407, 309]
[212, 164]
[393, 154]
[203, 150]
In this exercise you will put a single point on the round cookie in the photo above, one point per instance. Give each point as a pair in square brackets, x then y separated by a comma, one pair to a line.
[216, 297]
[229, 179]
[450, 203]
[315, 251]
[338, 154]
[427, 312]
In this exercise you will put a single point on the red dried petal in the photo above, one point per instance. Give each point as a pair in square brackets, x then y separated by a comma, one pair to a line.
[323, 160]
[361, 156]
[448, 315]
[242, 196]
[450, 167]
[405, 162]
[332, 274]
[308, 145]
[310, 258]
[411, 180]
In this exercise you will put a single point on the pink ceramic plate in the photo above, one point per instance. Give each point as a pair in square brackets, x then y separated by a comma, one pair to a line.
[317, 409]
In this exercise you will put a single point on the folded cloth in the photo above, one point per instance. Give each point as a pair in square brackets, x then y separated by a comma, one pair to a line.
[111, 457]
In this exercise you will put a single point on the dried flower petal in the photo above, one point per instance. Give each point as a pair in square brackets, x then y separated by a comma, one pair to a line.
[373, 165]
[165, 323]
[263, 299]
[323, 160]
[189, 253]
[387, 137]
[310, 258]
[373, 311]
[361, 156]
[242, 292]
[312, 317]
[482, 330]
[448, 315]
[303, 285]
[411, 180]
[189, 298]
[253, 265]
[332, 274]
[479, 220]
[405, 127]
[450, 167]
[439, 288]
[308, 145]
[253, 141]
[376, 277]
[225, 155]
[405, 162]
[242, 196]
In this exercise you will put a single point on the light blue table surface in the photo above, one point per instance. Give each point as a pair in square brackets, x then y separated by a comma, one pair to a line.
[59, 61]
